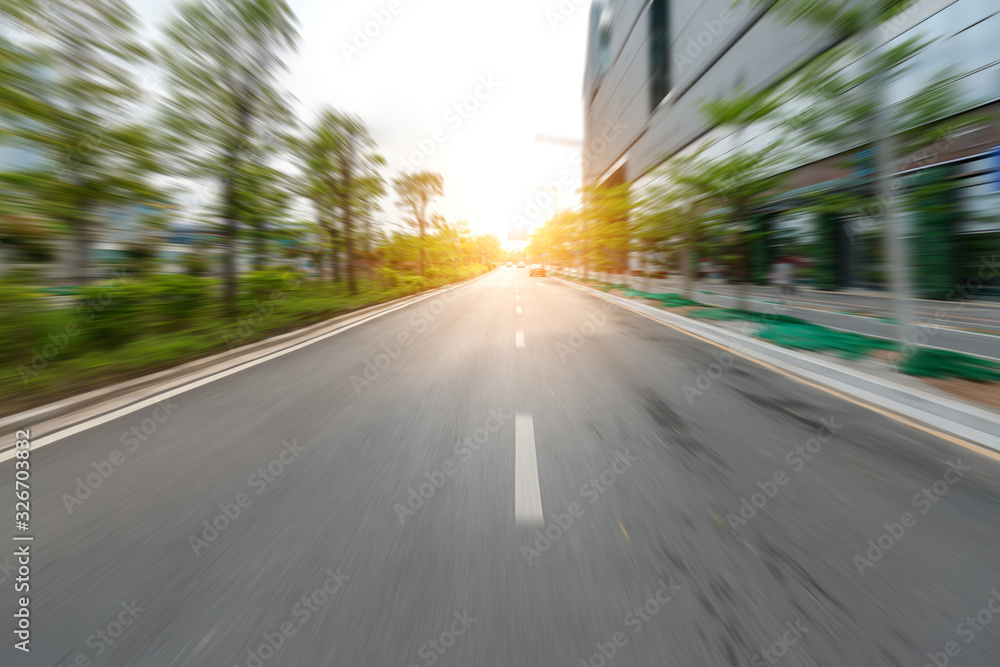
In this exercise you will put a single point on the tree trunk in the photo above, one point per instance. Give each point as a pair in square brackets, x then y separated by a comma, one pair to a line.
[229, 236]
[79, 264]
[348, 226]
[688, 272]
[258, 248]
[231, 206]
[334, 255]
[422, 235]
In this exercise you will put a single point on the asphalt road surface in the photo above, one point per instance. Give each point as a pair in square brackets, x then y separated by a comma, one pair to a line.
[511, 473]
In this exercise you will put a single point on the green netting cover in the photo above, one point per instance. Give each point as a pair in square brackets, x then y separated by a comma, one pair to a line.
[670, 300]
[800, 334]
[740, 314]
[718, 314]
[808, 336]
[945, 363]
[793, 332]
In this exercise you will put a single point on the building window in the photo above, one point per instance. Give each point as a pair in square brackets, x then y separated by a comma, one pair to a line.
[659, 51]
[600, 39]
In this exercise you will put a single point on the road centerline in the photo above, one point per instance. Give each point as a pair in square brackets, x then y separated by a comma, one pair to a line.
[527, 493]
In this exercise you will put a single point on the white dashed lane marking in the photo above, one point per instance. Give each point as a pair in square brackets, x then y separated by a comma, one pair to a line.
[527, 493]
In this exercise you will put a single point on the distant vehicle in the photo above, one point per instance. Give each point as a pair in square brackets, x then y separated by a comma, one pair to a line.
[536, 270]
[520, 265]
[510, 265]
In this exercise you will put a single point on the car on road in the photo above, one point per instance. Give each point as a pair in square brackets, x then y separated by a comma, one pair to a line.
[536, 270]
[510, 265]
[520, 265]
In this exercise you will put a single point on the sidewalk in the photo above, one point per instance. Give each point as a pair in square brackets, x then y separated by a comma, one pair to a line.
[970, 327]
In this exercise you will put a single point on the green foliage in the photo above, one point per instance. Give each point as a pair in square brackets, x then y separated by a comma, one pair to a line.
[260, 286]
[609, 226]
[826, 252]
[935, 212]
[26, 319]
[416, 192]
[113, 313]
[177, 301]
[341, 177]
[226, 108]
[77, 117]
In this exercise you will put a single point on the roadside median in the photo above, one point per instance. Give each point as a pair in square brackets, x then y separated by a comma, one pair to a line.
[947, 416]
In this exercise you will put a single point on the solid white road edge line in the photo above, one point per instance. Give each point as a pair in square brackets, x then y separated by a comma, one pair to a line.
[176, 391]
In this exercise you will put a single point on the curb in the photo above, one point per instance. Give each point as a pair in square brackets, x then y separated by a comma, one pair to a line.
[956, 418]
[216, 362]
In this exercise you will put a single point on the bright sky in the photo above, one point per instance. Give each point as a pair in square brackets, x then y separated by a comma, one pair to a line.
[513, 70]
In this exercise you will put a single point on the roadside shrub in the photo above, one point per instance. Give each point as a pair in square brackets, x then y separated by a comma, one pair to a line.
[112, 312]
[26, 320]
[412, 283]
[177, 300]
[258, 286]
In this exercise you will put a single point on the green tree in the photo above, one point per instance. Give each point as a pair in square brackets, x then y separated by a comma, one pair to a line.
[342, 178]
[223, 59]
[670, 214]
[840, 107]
[70, 93]
[416, 192]
[265, 199]
[609, 227]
